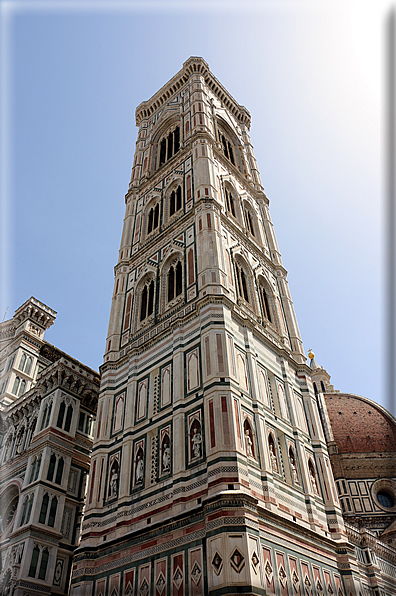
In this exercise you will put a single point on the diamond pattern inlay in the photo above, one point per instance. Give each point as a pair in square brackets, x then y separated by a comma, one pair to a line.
[144, 588]
[237, 560]
[217, 563]
[178, 578]
[196, 573]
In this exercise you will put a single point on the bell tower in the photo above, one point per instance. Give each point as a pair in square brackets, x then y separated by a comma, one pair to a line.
[209, 473]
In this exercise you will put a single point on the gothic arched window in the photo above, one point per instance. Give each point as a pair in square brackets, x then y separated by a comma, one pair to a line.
[61, 417]
[230, 201]
[249, 222]
[35, 469]
[43, 564]
[59, 471]
[27, 509]
[19, 386]
[34, 561]
[169, 145]
[51, 467]
[147, 300]
[28, 364]
[175, 281]
[52, 512]
[46, 415]
[265, 304]
[242, 282]
[22, 361]
[153, 218]
[175, 201]
[44, 508]
[69, 416]
[227, 148]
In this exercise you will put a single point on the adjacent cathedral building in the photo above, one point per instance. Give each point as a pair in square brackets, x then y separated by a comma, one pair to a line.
[221, 462]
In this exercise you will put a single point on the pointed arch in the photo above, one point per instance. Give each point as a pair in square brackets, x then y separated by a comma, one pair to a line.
[166, 142]
[268, 304]
[232, 201]
[244, 282]
[229, 145]
[172, 279]
[145, 299]
[251, 221]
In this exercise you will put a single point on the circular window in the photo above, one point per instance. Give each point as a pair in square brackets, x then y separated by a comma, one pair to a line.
[385, 499]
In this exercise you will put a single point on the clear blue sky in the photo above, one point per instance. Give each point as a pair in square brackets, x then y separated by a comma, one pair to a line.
[310, 75]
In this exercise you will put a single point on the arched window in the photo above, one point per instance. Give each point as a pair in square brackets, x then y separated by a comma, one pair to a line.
[15, 389]
[61, 415]
[28, 365]
[34, 561]
[52, 513]
[29, 510]
[22, 362]
[62, 422]
[175, 281]
[249, 221]
[44, 508]
[147, 300]
[171, 284]
[59, 471]
[227, 148]
[51, 467]
[242, 283]
[34, 472]
[175, 201]
[265, 304]
[69, 416]
[153, 218]
[43, 564]
[169, 146]
[46, 416]
[230, 201]
[24, 510]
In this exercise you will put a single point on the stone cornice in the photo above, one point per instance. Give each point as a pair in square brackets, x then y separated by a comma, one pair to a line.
[192, 66]
[36, 311]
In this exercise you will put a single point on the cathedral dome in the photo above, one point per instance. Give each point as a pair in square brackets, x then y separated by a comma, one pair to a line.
[360, 425]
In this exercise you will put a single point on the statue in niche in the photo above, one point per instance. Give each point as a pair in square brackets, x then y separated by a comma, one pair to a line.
[166, 455]
[274, 459]
[313, 480]
[293, 468]
[114, 481]
[248, 443]
[196, 440]
[139, 467]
